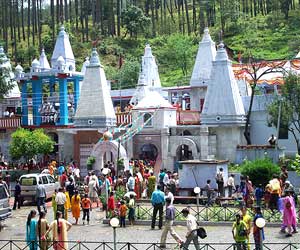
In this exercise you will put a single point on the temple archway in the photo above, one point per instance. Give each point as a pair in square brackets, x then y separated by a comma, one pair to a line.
[184, 153]
[104, 148]
[148, 152]
[190, 145]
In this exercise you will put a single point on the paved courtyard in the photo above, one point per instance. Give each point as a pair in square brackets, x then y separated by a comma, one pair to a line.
[14, 228]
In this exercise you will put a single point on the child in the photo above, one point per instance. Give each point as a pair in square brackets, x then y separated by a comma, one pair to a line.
[259, 194]
[131, 212]
[122, 213]
[111, 205]
[86, 205]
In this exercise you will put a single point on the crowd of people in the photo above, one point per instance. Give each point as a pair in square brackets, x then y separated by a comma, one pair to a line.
[141, 183]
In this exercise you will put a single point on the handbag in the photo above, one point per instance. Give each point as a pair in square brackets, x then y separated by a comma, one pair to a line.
[201, 232]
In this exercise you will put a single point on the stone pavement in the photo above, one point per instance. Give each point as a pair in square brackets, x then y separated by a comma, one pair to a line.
[14, 228]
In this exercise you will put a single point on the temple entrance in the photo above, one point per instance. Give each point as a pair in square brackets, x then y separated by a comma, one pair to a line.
[148, 152]
[184, 153]
[105, 151]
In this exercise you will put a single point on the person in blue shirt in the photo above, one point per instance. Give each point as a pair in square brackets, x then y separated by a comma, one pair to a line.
[158, 201]
[31, 236]
[61, 169]
[161, 177]
[259, 194]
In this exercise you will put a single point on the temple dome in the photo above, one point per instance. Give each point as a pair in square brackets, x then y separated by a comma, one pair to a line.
[153, 100]
[19, 69]
[35, 63]
[61, 61]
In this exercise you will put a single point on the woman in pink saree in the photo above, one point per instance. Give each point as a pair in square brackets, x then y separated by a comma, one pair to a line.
[289, 213]
[59, 228]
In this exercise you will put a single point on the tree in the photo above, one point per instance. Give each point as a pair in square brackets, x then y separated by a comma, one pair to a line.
[134, 20]
[28, 144]
[178, 53]
[255, 71]
[127, 76]
[289, 103]
[6, 76]
[260, 171]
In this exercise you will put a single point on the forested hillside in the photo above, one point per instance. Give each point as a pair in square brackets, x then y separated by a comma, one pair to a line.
[266, 29]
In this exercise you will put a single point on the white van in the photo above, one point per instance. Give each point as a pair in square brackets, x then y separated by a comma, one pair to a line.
[29, 184]
[5, 210]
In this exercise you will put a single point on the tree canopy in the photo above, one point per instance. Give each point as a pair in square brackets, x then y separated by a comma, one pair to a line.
[6, 76]
[28, 144]
[288, 104]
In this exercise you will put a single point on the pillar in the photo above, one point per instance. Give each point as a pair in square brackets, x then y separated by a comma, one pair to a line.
[37, 99]
[24, 104]
[63, 101]
[76, 92]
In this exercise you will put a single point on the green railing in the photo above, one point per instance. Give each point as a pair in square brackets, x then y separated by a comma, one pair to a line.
[212, 214]
[89, 245]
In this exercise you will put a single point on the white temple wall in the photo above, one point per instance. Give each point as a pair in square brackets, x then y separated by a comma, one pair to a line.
[227, 138]
[196, 94]
[260, 132]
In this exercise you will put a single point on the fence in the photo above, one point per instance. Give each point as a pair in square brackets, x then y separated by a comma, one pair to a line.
[89, 245]
[212, 214]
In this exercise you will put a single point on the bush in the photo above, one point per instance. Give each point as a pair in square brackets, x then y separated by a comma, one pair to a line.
[260, 171]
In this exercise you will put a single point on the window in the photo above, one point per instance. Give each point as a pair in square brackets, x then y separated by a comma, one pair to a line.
[283, 132]
[51, 179]
[45, 180]
[3, 193]
[28, 181]
[148, 120]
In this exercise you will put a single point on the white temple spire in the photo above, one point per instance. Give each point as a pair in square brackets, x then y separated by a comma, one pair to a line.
[44, 64]
[149, 69]
[95, 107]
[63, 48]
[203, 64]
[223, 103]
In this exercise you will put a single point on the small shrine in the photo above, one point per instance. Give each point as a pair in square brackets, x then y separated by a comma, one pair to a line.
[57, 105]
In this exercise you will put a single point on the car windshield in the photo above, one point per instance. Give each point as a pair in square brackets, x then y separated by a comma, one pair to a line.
[3, 193]
[28, 181]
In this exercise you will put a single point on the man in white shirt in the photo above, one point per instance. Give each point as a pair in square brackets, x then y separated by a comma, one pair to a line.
[230, 184]
[191, 224]
[60, 201]
[169, 195]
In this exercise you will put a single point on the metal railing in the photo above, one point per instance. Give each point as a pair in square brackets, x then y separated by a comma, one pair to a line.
[10, 123]
[212, 214]
[90, 245]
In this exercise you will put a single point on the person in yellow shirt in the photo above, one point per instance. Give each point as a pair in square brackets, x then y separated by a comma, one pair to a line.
[67, 204]
[248, 221]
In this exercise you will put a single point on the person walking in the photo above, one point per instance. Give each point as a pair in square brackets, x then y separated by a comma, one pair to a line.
[131, 183]
[60, 200]
[17, 195]
[258, 232]
[191, 224]
[53, 203]
[86, 205]
[220, 182]
[259, 194]
[230, 185]
[158, 201]
[275, 192]
[75, 206]
[111, 205]
[59, 229]
[131, 212]
[289, 214]
[209, 192]
[168, 227]
[122, 213]
[42, 227]
[31, 236]
[239, 233]
[169, 194]
[41, 197]
[248, 221]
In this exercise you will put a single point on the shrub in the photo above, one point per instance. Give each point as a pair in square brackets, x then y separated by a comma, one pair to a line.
[260, 171]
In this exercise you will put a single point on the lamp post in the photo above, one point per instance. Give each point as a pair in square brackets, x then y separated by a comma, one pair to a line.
[260, 223]
[197, 191]
[114, 222]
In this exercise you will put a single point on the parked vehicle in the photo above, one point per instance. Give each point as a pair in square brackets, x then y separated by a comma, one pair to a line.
[5, 210]
[29, 184]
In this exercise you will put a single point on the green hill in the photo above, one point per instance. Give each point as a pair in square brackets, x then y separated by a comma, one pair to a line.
[264, 32]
